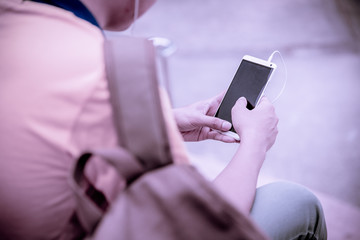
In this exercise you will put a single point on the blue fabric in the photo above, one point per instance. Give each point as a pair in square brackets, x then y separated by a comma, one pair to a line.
[74, 6]
[286, 211]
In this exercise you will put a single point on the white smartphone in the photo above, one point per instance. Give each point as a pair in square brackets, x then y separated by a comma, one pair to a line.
[250, 81]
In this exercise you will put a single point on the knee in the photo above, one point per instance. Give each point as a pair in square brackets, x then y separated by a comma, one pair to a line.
[293, 196]
[292, 205]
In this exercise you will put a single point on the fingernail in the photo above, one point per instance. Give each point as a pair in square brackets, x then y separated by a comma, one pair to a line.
[226, 125]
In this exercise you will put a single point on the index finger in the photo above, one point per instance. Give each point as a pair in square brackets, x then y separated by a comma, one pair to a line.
[218, 98]
[215, 103]
[265, 103]
[263, 100]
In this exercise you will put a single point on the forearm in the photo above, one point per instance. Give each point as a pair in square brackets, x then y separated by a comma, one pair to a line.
[238, 180]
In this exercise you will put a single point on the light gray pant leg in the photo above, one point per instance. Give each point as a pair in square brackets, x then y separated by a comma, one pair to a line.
[289, 211]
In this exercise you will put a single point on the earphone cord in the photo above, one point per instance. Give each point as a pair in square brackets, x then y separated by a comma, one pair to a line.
[286, 74]
[136, 14]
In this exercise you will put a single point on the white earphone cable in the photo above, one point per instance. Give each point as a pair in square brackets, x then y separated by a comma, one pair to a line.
[286, 73]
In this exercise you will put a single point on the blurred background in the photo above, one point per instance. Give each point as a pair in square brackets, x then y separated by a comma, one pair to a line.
[319, 130]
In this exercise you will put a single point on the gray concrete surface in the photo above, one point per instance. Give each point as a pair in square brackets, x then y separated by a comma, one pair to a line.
[318, 143]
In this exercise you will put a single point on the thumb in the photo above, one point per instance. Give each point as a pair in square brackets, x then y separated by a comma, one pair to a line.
[241, 102]
[240, 105]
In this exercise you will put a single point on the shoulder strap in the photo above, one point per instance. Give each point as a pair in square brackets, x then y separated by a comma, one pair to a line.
[134, 95]
[139, 124]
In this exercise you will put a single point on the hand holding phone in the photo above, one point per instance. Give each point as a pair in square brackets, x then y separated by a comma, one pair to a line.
[259, 124]
[250, 82]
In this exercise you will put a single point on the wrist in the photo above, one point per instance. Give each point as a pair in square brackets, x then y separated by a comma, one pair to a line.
[253, 146]
[178, 116]
[253, 138]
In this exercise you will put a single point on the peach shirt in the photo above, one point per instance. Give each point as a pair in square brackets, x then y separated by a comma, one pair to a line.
[54, 104]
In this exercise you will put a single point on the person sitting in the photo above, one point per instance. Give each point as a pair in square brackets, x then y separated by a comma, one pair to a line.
[54, 104]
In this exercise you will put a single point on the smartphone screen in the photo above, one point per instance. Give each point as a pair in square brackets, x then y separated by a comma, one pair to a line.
[249, 82]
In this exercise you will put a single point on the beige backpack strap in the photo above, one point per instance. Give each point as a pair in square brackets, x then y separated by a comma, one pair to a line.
[131, 74]
[91, 203]
[139, 123]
